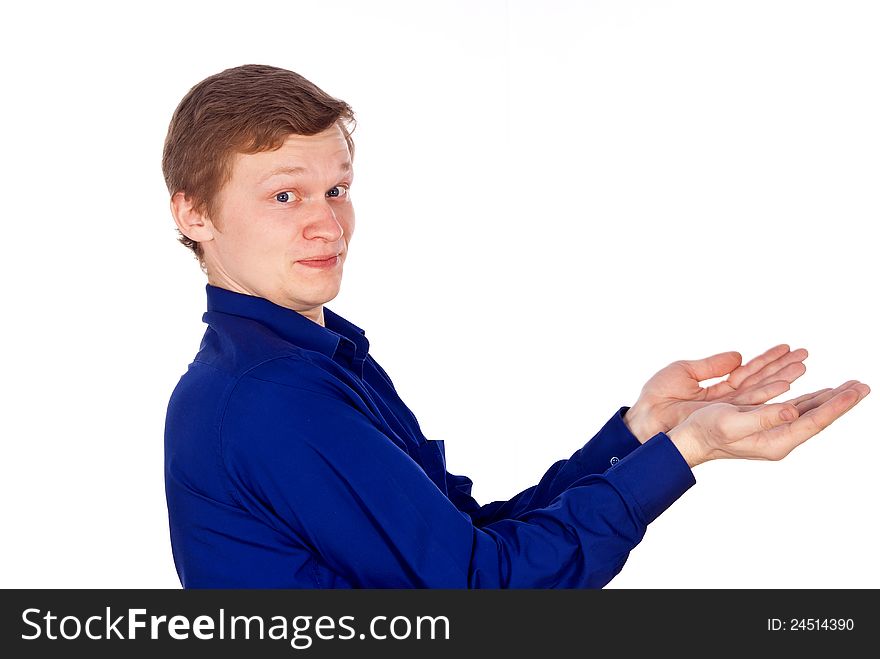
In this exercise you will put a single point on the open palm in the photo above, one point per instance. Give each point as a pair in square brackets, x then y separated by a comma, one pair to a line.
[762, 432]
[674, 392]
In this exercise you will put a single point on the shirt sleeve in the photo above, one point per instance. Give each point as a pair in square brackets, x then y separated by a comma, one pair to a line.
[315, 468]
[613, 442]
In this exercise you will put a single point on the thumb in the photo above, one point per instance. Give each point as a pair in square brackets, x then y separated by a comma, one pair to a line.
[763, 417]
[714, 366]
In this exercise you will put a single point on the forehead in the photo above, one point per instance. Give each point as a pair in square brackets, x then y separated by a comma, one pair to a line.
[321, 153]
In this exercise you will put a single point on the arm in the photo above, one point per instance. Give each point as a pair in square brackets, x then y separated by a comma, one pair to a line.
[612, 443]
[313, 467]
[668, 398]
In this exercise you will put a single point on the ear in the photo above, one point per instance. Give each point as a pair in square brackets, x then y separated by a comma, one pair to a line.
[193, 224]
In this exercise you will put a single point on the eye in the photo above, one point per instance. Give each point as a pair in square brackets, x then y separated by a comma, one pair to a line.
[283, 197]
[338, 191]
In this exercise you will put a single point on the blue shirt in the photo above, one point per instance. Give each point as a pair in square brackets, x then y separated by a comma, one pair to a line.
[292, 462]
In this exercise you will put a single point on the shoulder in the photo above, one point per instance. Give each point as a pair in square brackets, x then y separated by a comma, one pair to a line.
[289, 390]
[289, 412]
[292, 377]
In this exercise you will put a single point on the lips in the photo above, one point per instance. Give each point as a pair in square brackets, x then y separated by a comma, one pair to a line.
[329, 263]
[326, 257]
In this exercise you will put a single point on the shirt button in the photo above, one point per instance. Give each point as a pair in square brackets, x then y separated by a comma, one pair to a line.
[614, 460]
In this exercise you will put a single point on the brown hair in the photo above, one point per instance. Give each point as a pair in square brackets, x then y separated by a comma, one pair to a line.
[246, 109]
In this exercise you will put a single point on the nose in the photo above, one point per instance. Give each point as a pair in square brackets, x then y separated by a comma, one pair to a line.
[321, 222]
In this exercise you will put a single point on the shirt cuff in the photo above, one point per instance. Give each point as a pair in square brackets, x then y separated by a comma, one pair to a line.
[654, 476]
[612, 443]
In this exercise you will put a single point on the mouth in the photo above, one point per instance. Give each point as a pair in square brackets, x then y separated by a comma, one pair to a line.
[326, 261]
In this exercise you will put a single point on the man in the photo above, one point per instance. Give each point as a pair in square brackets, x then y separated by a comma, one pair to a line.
[292, 461]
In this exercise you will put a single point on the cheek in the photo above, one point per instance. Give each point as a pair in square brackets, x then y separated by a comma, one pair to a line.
[254, 235]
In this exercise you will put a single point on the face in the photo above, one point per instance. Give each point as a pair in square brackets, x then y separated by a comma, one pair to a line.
[279, 212]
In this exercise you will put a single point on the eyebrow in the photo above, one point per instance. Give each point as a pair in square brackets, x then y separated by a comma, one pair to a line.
[345, 167]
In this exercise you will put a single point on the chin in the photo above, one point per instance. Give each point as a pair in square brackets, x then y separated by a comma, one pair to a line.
[316, 298]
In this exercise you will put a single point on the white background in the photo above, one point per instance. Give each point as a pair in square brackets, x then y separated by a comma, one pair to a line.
[554, 200]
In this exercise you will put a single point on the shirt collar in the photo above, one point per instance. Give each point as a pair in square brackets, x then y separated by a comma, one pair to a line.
[340, 338]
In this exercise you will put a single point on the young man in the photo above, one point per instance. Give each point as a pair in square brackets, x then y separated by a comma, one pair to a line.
[292, 461]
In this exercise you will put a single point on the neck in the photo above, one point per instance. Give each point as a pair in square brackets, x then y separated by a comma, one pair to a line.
[315, 314]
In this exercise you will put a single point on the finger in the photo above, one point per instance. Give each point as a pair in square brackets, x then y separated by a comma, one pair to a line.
[807, 401]
[789, 373]
[819, 418]
[760, 393]
[714, 366]
[758, 419]
[791, 362]
[752, 367]
[813, 403]
[808, 397]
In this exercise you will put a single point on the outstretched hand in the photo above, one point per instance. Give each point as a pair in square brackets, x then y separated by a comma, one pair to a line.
[762, 432]
[674, 392]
